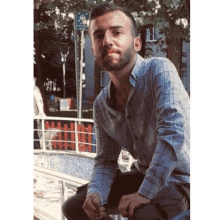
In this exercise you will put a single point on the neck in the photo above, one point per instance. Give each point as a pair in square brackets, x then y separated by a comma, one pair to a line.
[120, 79]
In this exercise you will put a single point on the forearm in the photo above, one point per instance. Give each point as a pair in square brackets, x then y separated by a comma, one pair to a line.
[106, 162]
[101, 180]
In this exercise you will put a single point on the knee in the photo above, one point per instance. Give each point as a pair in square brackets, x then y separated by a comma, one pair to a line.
[72, 207]
[148, 212]
[69, 208]
[138, 214]
[66, 209]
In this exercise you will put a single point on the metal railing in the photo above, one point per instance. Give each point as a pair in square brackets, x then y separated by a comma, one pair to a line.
[124, 157]
[65, 180]
[57, 130]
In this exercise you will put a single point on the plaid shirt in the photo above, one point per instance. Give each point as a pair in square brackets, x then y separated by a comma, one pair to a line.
[154, 129]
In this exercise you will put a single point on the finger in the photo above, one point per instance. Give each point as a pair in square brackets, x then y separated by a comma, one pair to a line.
[101, 212]
[92, 215]
[123, 199]
[131, 209]
[102, 215]
[95, 202]
[124, 208]
[88, 205]
[101, 209]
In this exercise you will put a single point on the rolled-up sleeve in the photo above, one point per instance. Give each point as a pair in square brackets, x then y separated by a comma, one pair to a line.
[106, 162]
[171, 116]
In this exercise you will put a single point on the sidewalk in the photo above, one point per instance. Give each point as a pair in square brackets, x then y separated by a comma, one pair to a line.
[47, 202]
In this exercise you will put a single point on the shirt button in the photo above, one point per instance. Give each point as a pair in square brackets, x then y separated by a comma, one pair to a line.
[129, 117]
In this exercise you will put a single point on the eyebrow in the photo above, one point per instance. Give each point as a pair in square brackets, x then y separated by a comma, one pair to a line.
[112, 27]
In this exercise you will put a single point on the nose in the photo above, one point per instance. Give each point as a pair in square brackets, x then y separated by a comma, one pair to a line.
[107, 39]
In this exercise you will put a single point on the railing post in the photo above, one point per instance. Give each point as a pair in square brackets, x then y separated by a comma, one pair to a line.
[60, 143]
[65, 136]
[72, 136]
[43, 134]
[63, 197]
[76, 138]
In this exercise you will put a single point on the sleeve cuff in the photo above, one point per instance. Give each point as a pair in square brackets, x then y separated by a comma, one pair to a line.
[148, 189]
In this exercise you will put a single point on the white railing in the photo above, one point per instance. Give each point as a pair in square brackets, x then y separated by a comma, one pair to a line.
[47, 132]
[124, 157]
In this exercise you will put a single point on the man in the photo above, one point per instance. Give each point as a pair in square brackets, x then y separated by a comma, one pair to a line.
[145, 110]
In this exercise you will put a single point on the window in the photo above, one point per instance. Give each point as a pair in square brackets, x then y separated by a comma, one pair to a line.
[184, 69]
[183, 72]
[151, 34]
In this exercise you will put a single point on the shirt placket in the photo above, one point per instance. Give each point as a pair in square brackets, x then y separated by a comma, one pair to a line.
[129, 120]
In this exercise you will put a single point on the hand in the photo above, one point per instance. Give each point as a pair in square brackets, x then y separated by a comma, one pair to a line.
[129, 202]
[92, 208]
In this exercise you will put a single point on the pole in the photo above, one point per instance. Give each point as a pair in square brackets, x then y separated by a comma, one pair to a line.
[64, 80]
[76, 66]
[81, 72]
[43, 134]
[63, 60]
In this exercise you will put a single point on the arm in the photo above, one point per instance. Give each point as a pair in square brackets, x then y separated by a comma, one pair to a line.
[172, 115]
[106, 162]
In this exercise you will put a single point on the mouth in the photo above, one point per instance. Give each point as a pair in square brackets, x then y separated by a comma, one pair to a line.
[109, 52]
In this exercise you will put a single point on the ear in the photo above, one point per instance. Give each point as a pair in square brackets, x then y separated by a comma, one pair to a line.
[137, 44]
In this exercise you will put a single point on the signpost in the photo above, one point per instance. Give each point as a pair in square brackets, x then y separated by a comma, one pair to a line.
[81, 24]
[82, 20]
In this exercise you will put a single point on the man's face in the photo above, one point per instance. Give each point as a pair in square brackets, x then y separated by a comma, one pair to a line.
[112, 40]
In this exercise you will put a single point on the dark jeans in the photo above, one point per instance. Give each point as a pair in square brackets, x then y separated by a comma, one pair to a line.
[169, 202]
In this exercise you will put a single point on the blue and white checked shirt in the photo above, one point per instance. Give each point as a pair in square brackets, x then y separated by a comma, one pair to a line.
[154, 129]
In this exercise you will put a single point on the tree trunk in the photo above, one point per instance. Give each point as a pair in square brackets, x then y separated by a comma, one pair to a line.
[143, 40]
[97, 76]
[174, 52]
[37, 44]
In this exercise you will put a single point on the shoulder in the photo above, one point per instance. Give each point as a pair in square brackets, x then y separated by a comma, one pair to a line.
[156, 62]
[158, 66]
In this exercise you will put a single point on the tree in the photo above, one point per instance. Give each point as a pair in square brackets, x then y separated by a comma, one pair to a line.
[172, 17]
[53, 28]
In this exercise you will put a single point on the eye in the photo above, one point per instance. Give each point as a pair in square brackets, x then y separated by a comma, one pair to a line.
[116, 33]
[99, 36]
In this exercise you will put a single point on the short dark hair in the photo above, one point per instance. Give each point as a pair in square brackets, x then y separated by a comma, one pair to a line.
[106, 8]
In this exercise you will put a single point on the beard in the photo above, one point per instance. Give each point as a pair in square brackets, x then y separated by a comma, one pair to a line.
[110, 63]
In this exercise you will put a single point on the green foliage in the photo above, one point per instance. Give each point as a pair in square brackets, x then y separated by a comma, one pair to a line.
[163, 14]
[55, 22]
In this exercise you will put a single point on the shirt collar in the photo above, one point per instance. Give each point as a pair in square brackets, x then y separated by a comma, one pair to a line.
[133, 76]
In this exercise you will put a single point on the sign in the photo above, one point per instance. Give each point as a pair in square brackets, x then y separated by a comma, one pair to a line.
[82, 20]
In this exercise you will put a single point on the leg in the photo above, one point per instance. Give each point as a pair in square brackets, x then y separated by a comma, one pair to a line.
[169, 202]
[149, 212]
[73, 210]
